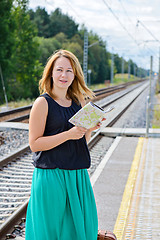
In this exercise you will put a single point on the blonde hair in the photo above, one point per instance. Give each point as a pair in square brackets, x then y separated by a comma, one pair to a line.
[78, 90]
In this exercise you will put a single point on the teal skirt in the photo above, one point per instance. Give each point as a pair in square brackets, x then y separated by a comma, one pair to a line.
[61, 206]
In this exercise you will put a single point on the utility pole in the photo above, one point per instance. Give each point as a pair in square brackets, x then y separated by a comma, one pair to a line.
[4, 89]
[122, 68]
[159, 68]
[85, 56]
[89, 75]
[112, 66]
[129, 69]
[134, 71]
[149, 100]
[150, 79]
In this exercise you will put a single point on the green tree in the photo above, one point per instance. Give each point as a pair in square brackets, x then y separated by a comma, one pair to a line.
[41, 19]
[118, 63]
[98, 60]
[25, 55]
[75, 48]
[6, 40]
[62, 23]
[46, 47]
[61, 38]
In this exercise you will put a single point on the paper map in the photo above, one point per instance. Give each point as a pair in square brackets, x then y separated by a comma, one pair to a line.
[88, 116]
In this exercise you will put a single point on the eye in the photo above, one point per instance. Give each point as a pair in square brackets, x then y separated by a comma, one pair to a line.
[69, 70]
[59, 69]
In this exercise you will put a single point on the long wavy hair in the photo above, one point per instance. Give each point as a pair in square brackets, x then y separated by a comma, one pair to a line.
[78, 90]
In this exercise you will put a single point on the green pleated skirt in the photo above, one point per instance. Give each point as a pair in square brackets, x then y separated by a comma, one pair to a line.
[61, 206]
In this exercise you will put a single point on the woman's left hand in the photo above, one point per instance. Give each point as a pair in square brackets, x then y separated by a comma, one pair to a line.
[97, 126]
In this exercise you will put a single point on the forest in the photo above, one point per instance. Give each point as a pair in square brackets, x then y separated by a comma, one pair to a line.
[28, 38]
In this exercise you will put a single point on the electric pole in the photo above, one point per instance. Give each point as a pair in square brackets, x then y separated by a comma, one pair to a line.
[85, 56]
[112, 66]
[134, 71]
[150, 80]
[159, 68]
[129, 68]
[4, 89]
[122, 68]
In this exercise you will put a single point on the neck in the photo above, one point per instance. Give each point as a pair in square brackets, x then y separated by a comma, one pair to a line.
[60, 94]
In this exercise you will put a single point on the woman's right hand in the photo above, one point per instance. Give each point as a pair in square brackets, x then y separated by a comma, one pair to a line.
[77, 132]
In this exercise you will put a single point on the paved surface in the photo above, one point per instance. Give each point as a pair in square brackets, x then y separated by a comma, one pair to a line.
[127, 189]
[110, 185]
[143, 221]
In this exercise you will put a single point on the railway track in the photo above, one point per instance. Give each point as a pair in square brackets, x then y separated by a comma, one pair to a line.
[22, 114]
[16, 115]
[16, 170]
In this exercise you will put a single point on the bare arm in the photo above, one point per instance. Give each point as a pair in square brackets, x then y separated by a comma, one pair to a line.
[37, 123]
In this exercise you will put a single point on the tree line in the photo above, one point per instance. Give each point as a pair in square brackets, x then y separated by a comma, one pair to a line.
[28, 38]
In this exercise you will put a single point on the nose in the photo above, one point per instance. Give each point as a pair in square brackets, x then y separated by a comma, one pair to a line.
[63, 73]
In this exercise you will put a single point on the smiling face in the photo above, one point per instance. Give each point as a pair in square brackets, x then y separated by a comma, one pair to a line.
[62, 74]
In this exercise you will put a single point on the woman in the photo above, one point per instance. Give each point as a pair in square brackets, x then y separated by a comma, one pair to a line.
[62, 204]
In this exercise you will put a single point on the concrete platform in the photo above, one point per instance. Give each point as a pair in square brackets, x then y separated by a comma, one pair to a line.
[126, 186]
[14, 125]
[136, 132]
[112, 176]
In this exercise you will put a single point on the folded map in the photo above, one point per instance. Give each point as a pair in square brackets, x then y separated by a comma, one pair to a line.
[89, 115]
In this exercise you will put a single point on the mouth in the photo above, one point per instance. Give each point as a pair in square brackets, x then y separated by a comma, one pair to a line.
[63, 81]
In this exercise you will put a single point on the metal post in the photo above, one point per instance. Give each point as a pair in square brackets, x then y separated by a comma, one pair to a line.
[150, 79]
[85, 56]
[149, 99]
[122, 68]
[128, 70]
[134, 71]
[147, 116]
[4, 89]
[89, 77]
[159, 69]
[112, 66]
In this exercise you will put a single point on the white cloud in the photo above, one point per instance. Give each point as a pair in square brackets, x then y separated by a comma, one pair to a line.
[97, 17]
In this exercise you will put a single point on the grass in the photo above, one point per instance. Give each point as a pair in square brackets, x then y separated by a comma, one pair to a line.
[118, 79]
[121, 78]
[17, 104]
[97, 86]
[156, 118]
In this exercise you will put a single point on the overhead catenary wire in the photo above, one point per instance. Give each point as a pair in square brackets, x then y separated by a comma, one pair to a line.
[155, 39]
[126, 12]
[122, 25]
[138, 21]
[110, 9]
[74, 11]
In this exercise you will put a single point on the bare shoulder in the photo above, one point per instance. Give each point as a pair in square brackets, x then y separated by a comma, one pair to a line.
[40, 101]
[40, 105]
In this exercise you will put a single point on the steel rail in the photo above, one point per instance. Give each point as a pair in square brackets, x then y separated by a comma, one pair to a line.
[15, 110]
[9, 158]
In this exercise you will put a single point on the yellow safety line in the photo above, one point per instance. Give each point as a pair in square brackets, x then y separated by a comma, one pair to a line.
[120, 224]
[139, 189]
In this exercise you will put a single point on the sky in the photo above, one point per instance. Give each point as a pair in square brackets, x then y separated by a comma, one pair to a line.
[131, 28]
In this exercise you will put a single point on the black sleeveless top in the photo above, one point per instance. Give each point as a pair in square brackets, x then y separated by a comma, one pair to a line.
[72, 154]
